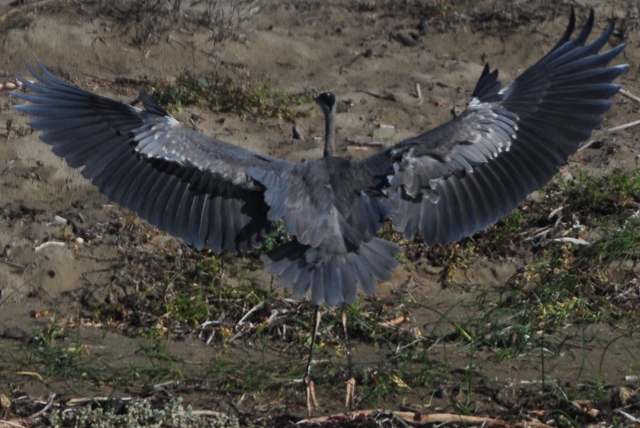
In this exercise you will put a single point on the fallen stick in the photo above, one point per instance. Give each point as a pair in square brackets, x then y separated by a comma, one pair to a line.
[84, 400]
[447, 417]
[384, 96]
[12, 423]
[629, 95]
[588, 144]
[414, 418]
[23, 7]
[626, 125]
[44, 409]
[364, 143]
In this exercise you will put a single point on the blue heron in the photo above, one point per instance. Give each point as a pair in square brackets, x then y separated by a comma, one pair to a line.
[442, 185]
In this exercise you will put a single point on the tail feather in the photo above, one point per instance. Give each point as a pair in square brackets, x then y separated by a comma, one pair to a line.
[333, 278]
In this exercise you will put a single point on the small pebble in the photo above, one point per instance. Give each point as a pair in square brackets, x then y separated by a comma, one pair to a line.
[423, 25]
[58, 219]
[15, 333]
[404, 39]
[297, 134]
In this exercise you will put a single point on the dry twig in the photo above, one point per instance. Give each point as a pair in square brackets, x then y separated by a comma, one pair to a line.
[14, 11]
[419, 419]
[626, 125]
[629, 95]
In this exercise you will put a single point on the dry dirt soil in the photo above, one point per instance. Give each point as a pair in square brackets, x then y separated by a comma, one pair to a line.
[300, 47]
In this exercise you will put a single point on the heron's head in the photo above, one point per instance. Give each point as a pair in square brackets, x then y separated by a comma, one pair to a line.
[327, 102]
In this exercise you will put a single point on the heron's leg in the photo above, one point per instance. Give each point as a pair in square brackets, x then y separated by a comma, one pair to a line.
[351, 382]
[311, 393]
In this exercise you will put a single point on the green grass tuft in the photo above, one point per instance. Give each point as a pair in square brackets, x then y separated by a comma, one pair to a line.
[261, 99]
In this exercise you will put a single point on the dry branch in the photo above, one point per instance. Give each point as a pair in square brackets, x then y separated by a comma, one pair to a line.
[12, 12]
[629, 95]
[419, 419]
[626, 125]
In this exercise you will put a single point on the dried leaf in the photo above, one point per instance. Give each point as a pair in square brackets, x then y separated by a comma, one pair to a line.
[5, 401]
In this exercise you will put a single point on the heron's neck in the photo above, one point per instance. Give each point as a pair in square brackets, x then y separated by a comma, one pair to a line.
[329, 132]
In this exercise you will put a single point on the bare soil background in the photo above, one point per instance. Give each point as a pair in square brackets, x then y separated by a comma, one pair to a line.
[351, 48]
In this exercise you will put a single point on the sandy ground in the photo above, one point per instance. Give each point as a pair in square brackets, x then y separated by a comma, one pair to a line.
[299, 46]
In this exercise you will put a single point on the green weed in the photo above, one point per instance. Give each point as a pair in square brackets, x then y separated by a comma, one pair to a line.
[224, 94]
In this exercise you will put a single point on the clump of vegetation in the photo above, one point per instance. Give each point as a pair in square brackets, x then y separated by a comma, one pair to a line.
[260, 99]
[441, 14]
[584, 262]
[117, 414]
[277, 236]
[607, 196]
[148, 20]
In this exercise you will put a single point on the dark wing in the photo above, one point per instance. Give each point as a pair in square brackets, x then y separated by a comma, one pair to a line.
[189, 185]
[466, 174]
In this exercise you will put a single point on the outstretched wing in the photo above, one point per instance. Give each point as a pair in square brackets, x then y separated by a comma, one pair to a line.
[466, 174]
[189, 185]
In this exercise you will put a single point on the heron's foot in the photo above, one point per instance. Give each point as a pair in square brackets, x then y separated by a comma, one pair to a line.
[351, 392]
[312, 403]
